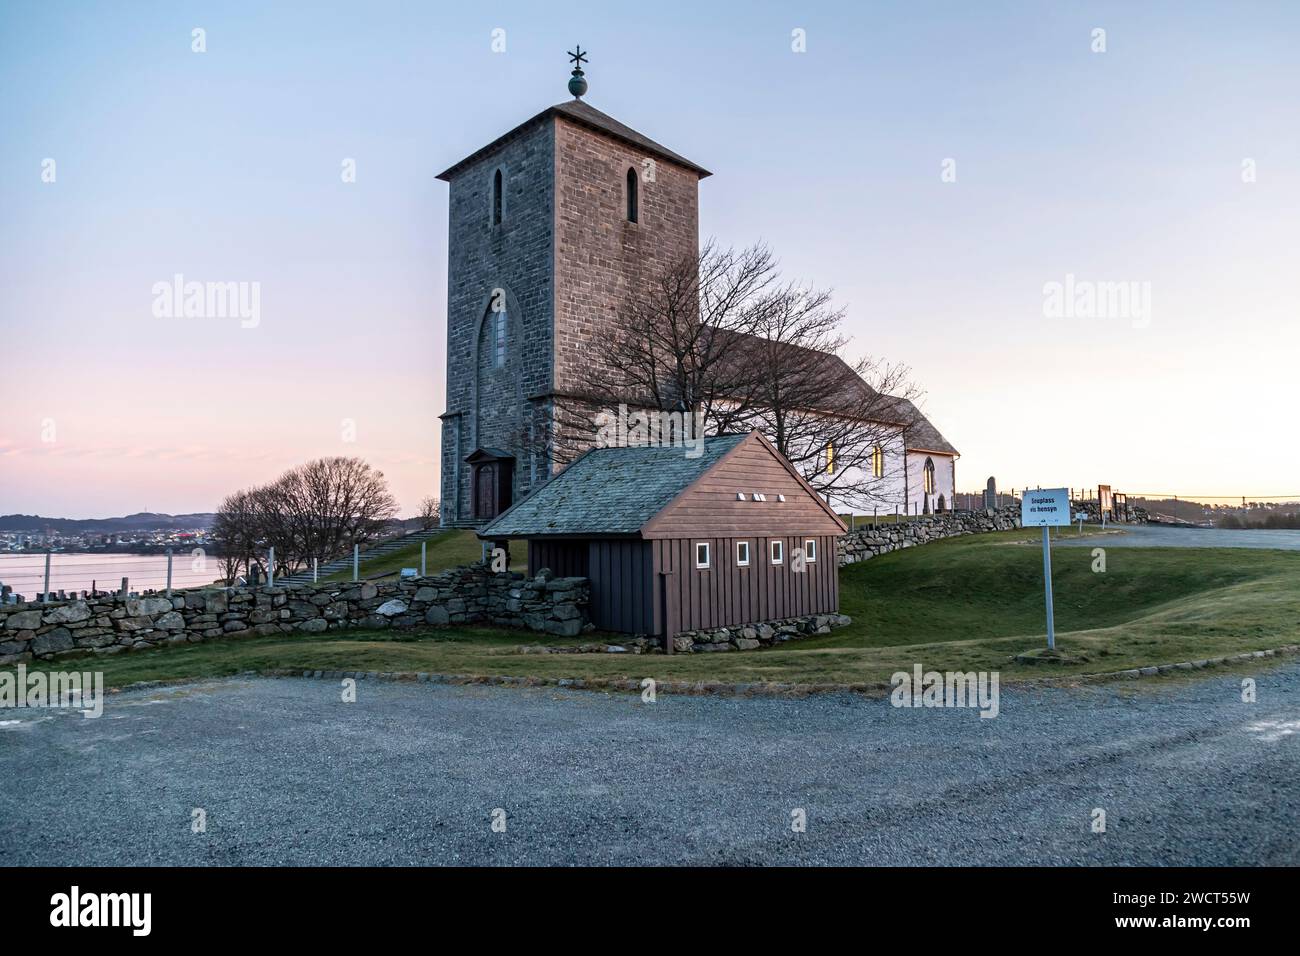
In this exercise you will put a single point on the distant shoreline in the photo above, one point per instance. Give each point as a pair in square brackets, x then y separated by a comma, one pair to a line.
[177, 549]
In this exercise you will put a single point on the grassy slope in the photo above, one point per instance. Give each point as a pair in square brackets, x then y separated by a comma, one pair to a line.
[984, 586]
[449, 549]
[968, 603]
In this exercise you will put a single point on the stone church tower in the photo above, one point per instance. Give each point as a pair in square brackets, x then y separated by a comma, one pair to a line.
[551, 226]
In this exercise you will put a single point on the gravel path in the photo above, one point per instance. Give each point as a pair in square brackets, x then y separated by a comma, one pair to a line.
[411, 773]
[1158, 536]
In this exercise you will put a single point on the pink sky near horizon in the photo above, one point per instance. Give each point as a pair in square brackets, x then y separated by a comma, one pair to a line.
[225, 166]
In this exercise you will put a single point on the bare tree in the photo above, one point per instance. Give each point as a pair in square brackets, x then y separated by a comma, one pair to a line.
[323, 508]
[235, 534]
[668, 348]
[841, 424]
[722, 338]
[429, 514]
[317, 510]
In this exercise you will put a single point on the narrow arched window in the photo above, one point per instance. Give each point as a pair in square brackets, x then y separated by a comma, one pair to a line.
[830, 458]
[929, 476]
[631, 196]
[497, 200]
[878, 462]
[502, 323]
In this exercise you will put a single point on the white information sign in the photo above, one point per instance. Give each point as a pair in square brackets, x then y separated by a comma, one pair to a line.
[1045, 508]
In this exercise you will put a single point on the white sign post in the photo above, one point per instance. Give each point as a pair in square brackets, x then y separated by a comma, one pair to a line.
[1046, 508]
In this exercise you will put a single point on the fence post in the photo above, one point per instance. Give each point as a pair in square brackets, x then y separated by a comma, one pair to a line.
[315, 570]
[169, 572]
[270, 568]
[424, 553]
[45, 593]
[356, 562]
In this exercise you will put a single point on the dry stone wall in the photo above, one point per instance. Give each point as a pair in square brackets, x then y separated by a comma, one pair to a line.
[110, 624]
[864, 543]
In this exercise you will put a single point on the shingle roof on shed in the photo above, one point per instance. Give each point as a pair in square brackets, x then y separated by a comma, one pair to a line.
[609, 491]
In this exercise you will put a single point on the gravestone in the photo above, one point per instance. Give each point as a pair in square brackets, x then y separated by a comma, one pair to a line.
[991, 493]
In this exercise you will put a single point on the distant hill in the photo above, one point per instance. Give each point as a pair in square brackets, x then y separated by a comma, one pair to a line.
[142, 521]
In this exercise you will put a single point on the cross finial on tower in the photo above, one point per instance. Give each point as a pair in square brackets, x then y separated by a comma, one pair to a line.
[577, 82]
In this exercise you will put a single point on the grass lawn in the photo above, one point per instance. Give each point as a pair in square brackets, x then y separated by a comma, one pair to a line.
[453, 547]
[967, 603]
[991, 585]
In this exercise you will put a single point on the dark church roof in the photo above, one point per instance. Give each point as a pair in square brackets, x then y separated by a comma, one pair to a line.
[844, 392]
[922, 435]
[589, 116]
[609, 491]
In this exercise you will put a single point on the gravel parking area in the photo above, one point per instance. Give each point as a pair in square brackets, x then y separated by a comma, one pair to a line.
[1159, 536]
[411, 774]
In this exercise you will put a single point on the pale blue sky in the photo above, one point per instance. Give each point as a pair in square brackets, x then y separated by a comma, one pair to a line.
[1123, 165]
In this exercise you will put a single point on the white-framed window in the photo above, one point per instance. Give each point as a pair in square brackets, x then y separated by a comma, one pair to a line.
[777, 550]
[742, 554]
[701, 554]
[810, 550]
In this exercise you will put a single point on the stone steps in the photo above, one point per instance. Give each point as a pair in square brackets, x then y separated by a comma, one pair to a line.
[383, 549]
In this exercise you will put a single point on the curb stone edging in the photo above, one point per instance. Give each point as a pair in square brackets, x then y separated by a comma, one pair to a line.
[719, 688]
[702, 688]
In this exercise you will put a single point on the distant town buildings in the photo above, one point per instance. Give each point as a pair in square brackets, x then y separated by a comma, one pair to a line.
[158, 539]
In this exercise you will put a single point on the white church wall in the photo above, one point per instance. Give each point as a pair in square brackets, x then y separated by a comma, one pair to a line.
[887, 491]
[945, 480]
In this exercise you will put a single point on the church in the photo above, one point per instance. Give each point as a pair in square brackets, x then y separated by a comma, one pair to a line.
[551, 226]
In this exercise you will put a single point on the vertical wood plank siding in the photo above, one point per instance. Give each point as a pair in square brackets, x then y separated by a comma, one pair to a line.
[622, 585]
[634, 583]
[568, 559]
[725, 594]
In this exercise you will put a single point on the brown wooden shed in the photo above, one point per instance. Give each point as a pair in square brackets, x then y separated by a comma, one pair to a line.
[674, 543]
